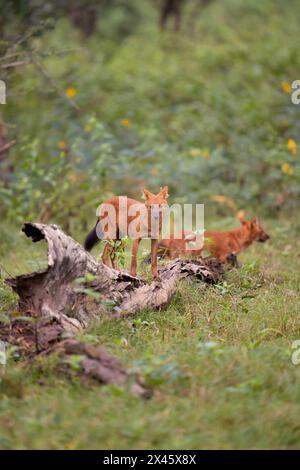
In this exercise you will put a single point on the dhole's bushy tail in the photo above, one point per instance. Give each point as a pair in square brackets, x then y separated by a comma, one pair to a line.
[91, 239]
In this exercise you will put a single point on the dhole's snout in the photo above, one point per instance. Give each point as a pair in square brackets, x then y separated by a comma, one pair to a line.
[263, 237]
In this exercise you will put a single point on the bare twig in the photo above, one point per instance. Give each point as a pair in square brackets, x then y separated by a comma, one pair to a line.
[7, 146]
[17, 63]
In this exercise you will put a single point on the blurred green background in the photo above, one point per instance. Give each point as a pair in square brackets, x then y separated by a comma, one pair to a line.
[113, 96]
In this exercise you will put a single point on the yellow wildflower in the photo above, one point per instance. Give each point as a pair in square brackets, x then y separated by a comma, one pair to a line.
[125, 122]
[286, 87]
[72, 445]
[71, 92]
[292, 146]
[205, 154]
[287, 169]
[195, 152]
[62, 145]
[87, 128]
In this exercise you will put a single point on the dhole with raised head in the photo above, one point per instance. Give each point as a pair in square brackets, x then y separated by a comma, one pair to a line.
[119, 214]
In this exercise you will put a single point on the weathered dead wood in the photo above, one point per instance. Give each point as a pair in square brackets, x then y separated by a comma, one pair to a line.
[51, 295]
[95, 362]
[52, 298]
[59, 309]
[92, 362]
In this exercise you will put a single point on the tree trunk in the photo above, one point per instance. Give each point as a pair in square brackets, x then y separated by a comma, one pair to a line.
[168, 9]
[83, 16]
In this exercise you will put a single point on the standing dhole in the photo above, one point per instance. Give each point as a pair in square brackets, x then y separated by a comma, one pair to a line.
[121, 213]
[223, 245]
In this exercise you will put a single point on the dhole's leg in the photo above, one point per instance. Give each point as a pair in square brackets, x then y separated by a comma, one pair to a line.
[114, 260]
[154, 246]
[106, 254]
[222, 258]
[113, 256]
[135, 248]
[232, 259]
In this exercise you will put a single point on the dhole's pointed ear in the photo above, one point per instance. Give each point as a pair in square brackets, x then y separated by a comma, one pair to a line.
[146, 194]
[254, 220]
[165, 192]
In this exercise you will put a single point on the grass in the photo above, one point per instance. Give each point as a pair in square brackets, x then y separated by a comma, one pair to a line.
[218, 358]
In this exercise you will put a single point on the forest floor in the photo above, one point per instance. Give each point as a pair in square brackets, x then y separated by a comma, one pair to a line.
[218, 359]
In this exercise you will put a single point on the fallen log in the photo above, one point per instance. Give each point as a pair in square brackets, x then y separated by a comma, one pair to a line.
[96, 363]
[53, 298]
[61, 309]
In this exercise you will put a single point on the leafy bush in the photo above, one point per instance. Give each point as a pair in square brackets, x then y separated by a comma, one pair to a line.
[207, 111]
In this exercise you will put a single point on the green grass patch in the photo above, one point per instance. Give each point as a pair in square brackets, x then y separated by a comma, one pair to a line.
[218, 359]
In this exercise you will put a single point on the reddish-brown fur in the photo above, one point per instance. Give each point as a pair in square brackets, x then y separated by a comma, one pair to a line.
[159, 200]
[223, 245]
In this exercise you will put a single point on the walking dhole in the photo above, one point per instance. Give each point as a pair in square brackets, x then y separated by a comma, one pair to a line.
[121, 216]
[223, 245]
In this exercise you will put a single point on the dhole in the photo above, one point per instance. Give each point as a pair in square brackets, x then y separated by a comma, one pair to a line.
[223, 245]
[133, 212]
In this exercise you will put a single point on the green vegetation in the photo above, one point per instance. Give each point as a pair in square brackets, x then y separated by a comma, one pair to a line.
[206, 111]
[218, 359]
[203, 111]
